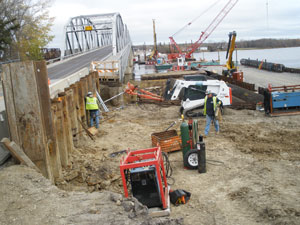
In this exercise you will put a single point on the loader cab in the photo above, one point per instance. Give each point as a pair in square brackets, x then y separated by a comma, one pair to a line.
[194, 92]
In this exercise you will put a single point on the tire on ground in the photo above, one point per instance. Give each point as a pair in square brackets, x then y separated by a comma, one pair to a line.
[190, 159]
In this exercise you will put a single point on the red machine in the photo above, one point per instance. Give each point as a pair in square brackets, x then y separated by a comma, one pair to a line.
[143, 160]
[141, 93]
[204, 35]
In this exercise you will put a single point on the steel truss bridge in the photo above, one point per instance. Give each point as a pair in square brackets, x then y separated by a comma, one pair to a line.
[84, 33]
[90, 38]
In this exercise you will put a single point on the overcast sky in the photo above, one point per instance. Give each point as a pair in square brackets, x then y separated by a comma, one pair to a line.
[248, 18]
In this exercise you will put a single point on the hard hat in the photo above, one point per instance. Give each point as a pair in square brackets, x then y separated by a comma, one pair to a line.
[89, 93]
[208, 92]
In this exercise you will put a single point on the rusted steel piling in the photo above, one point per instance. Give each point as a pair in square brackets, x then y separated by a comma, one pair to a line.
[46, 129]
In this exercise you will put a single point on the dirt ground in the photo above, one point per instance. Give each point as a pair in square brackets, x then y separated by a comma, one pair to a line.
[252, 176]
[252, 165]
[29, 198]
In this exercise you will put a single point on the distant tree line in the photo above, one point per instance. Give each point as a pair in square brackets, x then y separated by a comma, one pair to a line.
[222, 46]
[260, 43]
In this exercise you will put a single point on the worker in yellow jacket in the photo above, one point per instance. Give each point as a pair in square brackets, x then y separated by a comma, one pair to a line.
[210, 105]
[93, 108]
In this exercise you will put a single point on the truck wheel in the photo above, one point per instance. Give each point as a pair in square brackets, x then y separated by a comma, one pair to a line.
[190, 159]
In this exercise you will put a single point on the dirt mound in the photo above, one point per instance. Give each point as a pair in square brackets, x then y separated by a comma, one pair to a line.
[262, 138]
[28, 198]
[91, 169]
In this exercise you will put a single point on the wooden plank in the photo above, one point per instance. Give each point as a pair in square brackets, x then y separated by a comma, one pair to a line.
[86, 129]
[86, 85]
[67, 123]
[73, 116]
[19, 154]
[93, 130]
[74, 87]
[81, 96]
[93, 74]
[51, 151]
[90, 83]
[57, 109]
[10, 103]
[86, 89]
[28, 114]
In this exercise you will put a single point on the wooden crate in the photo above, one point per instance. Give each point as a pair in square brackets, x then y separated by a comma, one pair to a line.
[169, 141]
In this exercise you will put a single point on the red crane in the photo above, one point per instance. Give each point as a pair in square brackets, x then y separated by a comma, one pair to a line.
[204, 34]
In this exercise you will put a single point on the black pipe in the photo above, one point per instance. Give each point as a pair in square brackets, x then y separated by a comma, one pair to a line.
[201, 155]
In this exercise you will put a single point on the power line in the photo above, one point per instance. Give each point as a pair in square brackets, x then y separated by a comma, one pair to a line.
[205, 11]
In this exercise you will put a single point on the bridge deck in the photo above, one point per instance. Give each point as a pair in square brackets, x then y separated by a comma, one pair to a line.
[72, 65]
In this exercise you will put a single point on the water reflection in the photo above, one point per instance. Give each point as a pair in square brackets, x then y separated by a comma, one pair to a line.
[141, 69]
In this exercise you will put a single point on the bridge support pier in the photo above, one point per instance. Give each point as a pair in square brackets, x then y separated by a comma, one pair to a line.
[128, 75]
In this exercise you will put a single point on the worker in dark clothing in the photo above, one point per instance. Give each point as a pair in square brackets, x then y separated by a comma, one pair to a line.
[92, 106]
[210, 105]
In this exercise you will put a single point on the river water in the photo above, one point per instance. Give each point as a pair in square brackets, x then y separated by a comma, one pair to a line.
[290, 57]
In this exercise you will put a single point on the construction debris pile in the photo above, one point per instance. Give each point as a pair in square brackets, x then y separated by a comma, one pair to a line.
[91, 170]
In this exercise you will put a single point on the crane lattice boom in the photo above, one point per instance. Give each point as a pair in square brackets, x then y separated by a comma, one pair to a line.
[207, 32]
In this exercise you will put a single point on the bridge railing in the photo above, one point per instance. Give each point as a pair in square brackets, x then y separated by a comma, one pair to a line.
[123, 61]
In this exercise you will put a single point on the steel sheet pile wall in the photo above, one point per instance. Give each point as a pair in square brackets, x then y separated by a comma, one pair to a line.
[46, 129]
[276, 67]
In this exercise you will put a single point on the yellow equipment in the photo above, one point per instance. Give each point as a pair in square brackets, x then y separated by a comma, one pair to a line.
[230, 49]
